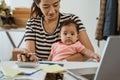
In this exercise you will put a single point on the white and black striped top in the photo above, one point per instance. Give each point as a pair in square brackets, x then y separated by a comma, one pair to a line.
[36, 32]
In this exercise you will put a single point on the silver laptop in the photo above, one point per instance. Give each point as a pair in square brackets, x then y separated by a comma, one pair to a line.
[109, 68]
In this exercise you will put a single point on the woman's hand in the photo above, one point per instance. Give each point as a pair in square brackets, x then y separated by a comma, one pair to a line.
[26, 56]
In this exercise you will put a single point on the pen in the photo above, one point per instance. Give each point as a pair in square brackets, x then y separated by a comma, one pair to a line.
[50, 63]
[28, 74]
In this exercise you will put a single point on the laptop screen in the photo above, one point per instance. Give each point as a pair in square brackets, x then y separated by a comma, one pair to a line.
[109, 68]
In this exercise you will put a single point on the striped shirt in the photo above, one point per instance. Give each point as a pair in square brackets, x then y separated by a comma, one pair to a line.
[35, 31]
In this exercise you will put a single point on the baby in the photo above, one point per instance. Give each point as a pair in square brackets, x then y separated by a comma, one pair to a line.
[69, 44]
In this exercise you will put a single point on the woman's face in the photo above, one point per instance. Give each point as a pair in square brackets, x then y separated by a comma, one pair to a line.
[50, 8]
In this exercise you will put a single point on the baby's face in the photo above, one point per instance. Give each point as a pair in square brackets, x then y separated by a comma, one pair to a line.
[69, 34]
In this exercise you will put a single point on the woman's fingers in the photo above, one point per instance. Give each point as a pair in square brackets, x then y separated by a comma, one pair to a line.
[18, 57]
[30, 57]
[22, 57]
[33, 57]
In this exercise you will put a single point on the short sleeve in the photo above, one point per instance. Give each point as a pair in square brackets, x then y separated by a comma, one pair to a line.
[30, 32]
[78, 22]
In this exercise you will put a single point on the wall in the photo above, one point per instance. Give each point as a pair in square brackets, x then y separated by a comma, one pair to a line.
[87, 10]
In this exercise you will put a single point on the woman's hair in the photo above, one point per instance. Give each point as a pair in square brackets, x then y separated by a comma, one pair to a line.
[68, 22]
[35, 10]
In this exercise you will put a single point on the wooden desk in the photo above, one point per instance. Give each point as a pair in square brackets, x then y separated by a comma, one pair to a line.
[41, 75]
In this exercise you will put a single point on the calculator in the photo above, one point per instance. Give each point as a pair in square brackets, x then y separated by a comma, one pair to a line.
[27, 64]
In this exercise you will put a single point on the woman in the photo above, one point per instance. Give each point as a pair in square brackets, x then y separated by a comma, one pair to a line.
[43, 28]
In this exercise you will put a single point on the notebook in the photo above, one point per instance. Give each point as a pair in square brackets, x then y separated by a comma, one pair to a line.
[109, 68]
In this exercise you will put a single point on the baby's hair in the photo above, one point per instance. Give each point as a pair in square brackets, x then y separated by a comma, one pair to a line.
[68, 22]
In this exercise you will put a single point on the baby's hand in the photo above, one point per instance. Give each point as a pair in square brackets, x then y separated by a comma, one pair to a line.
[91, 54]
[97, 57]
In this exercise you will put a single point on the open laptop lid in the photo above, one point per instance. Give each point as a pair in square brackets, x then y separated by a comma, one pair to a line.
[109, 68]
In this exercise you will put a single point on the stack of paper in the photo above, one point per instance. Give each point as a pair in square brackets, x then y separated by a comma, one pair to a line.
[53, 68]
[13, 71]
[9, 71]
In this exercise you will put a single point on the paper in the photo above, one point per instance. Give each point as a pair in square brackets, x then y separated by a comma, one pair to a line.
[53, 68]
[14, 70]
[9, 71]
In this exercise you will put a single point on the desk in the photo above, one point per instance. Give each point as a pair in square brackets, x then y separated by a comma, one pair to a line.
[69, 65]
[10, 38]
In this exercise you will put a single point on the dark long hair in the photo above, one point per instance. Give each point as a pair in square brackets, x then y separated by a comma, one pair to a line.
[35, 10]
[68, 22]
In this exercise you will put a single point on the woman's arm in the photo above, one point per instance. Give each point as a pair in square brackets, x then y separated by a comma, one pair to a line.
[30, 45]
[84, 39]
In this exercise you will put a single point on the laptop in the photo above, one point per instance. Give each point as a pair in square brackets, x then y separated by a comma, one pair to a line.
[109, 68]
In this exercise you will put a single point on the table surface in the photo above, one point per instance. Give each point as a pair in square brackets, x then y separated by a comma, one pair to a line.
[40, 75]
[13, 29]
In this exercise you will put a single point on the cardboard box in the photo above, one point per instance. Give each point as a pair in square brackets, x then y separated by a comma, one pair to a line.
[20, 22]
[22, 11]
[21, 15]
